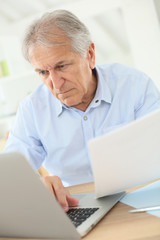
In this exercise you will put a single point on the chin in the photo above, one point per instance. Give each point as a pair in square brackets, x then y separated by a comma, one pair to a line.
[70, 103]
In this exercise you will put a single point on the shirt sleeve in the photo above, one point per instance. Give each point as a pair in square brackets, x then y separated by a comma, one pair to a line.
[149, 98]
[24, 138]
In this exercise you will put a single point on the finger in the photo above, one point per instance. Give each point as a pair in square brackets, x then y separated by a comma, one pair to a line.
[60, 192]
[48, 184]
[72, 202]
[62, 199]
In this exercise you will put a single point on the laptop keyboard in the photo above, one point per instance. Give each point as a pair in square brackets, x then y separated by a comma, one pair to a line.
[79, 215]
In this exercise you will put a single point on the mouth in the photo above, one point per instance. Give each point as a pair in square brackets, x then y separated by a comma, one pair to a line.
[64, 92]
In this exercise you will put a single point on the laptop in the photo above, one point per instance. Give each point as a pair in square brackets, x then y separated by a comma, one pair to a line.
[128, 156]
[29, 210]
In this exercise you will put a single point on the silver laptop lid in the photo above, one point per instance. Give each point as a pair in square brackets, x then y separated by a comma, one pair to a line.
[27, 208]
[127, 157]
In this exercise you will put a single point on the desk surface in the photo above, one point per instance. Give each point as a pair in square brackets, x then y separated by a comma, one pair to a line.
[119, 224]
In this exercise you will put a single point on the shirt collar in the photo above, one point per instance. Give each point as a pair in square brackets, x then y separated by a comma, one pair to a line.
[103, 93]
[58, 106]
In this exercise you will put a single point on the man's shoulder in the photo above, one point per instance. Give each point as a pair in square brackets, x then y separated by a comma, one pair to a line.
[38, 97]
[121, 72]
[118, 68]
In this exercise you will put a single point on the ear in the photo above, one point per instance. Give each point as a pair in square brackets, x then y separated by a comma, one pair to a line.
[91, 55]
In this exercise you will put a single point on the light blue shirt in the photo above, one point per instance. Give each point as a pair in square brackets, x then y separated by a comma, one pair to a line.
[51, 134]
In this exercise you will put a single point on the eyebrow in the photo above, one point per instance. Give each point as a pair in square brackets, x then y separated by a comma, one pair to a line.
[38, 70]
[58, 63]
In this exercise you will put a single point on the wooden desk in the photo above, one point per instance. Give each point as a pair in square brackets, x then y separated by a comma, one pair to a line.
[2, 144]
[119, 224]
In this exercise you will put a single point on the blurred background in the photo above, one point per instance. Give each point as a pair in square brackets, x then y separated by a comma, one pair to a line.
[125, 31]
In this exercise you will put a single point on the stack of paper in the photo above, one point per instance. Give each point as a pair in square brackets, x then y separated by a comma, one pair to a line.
[145, 197]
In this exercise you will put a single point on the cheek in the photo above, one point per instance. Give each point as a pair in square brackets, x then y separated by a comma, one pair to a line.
[82, 83]
[48, 84]
[83, 74]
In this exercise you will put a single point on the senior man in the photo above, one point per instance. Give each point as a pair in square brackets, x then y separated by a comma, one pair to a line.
[76, 101]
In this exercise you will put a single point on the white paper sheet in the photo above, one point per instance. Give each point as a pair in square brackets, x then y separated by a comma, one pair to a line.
[145, 197]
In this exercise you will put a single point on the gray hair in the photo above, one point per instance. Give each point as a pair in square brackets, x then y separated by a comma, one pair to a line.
[59, 24]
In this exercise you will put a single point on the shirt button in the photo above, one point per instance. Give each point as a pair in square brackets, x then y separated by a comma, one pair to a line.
[85, 118]
[96, 101]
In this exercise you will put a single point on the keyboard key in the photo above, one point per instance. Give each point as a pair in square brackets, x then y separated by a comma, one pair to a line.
[79, 215]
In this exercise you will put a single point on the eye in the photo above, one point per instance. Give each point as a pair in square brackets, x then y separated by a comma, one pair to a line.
[43, 72]
[61, 66]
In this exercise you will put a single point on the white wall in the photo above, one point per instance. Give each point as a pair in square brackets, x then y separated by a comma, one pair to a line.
[143, 29]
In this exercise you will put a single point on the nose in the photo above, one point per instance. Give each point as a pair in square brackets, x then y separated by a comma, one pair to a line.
[56, 79]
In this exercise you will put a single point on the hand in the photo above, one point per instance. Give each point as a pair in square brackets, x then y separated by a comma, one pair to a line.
[62, 194]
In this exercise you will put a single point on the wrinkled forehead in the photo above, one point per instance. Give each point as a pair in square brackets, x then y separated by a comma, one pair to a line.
[43, 58]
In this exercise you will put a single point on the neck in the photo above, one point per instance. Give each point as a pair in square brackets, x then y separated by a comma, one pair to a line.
[89, 96]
